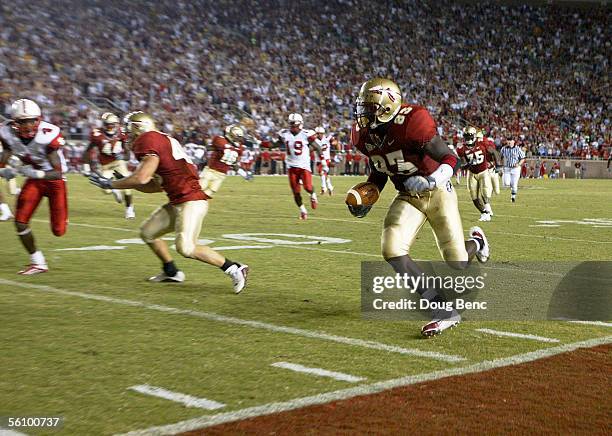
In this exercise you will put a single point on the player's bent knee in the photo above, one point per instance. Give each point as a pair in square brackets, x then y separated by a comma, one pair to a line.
[185, 248]
[146, 236]
[391, 245]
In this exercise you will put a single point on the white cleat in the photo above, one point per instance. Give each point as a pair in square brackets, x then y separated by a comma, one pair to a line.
[6, 216]
[129, 213]
[179, 277]
[483, 254]
[485, 217]
[32, 269]
[239, 274]
[442, 320]
[117, 195]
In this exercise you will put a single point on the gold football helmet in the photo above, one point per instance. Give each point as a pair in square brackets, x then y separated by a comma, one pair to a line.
[234, 134]
[378, 101]
[469, 135]
[137, 123]
[110, 122]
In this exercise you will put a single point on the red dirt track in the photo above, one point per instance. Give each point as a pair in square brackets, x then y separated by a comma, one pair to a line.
[570, 393]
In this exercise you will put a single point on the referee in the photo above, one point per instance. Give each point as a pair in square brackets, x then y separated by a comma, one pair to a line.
[513, 158]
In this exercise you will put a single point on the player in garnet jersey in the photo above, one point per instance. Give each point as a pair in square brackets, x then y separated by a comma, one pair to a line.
[324, 159]
[38, 145]
[477, 156]
[164, 166]
[403, 146]
[108, 142]
[298, 141]
[225, 153]
[495, 171]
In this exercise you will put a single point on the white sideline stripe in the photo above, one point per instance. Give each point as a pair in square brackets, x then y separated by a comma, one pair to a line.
[597, 323]
[517, 335]
[177, 397]
[5, 432]
[318, 371]
[313, 334]
[268, 409]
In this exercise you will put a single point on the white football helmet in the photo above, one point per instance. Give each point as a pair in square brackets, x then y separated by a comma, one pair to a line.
[296, 122]
[27, 115]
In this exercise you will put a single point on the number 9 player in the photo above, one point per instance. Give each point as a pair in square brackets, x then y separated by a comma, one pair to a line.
[402, 144]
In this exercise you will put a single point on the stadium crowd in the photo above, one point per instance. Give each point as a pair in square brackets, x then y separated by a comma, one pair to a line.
[536, 74]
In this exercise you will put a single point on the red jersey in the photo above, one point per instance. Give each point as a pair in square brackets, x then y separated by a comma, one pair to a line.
[399, 152]
[224, 155]
[179, 176]
[110, 148]
[478, 157]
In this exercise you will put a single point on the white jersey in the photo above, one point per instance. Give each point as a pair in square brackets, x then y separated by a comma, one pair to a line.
[48, 138]
[325, 147]
[298, 150]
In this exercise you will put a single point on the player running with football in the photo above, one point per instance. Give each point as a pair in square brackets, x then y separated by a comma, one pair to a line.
[38, 145]
[402, 144]
[476, 156]
[225, 152]
[324, 160]
[297, 140]
[162, 158]
[108, 142]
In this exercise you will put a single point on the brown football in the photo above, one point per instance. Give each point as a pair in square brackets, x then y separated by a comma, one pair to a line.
[362, 194]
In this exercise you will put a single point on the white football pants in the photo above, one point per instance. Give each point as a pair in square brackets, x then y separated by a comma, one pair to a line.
[511, 178]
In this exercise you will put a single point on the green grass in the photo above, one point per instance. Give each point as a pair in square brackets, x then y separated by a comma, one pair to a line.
[75, 357]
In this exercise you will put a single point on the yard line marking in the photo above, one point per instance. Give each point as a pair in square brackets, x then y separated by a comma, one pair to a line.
[5, 432]
[318, 371]
[597, 323]
[177, 397]
[71, 223]
[313, 334]
[517, 335]
[297, 403]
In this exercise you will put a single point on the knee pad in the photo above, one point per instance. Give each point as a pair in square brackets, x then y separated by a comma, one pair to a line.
[146, 236]
[184, 247]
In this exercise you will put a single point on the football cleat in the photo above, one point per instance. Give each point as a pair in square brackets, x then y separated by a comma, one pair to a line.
[129, 213]
[118, 196]
[441, 321]
[483, 254]
[239, 274]
[162, 277]
[485, 217]
[313, 201]
[330, 191]
[6, 216]
[32, 269]
[303, 216]
[323, 191]
[513, 199]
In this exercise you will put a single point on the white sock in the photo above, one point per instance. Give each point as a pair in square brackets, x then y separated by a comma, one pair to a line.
[38, 258]
[303, 209]
[313, 196]
[329, 185]
[488, 207]
[323, 182]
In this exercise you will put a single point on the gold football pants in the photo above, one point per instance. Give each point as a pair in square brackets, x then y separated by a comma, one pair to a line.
[210, 181]
[407, 215]
[109, 169]
[480, 185]
[184, 219]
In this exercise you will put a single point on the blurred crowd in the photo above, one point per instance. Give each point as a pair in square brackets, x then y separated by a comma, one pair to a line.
[537, 74]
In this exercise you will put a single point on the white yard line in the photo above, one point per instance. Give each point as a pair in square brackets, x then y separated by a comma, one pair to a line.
[177, 397]
[318, 372]
[313, 334]
[517, 335]
[297, 403]
[597, 323]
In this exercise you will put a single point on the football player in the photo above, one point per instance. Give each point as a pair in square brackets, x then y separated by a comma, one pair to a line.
[403, 146]
[494, 170]
[297, 141]
[225, 152]
[108, 142]
[5, 211]
[38, 145]
[324, 159]
[164, 166]
[477, 156]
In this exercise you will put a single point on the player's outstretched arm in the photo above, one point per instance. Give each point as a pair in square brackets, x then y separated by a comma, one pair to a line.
[142, 177]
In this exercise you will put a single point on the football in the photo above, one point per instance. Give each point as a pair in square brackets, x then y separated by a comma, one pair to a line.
[362, 194]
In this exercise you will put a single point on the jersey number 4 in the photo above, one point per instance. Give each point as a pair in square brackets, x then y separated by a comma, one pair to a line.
[394, 158]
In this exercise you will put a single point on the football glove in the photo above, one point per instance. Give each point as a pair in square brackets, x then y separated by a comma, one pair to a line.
[419, 184]
[359, 211]
[118, 175]
[100, 181]
[8, 173]
[246, 175]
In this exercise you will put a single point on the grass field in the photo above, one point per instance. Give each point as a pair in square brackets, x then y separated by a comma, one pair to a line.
[76, 339]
